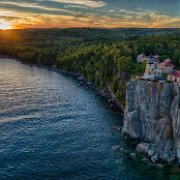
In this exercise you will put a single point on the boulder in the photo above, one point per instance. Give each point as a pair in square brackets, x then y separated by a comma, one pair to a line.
[154, 158]
[142, 147]
[151, 151]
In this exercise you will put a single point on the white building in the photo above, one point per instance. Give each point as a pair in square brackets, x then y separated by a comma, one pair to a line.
[152, 71]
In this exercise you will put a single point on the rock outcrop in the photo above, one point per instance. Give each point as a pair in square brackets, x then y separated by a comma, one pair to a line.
[152, 115]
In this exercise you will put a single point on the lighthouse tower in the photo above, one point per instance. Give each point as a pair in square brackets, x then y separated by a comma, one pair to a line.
[150, 71]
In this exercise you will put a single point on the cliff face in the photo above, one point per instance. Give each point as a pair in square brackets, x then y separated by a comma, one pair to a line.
[152, 115]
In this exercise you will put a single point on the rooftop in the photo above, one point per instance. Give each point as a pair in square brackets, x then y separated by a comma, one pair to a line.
[168, 60]
[142, 56]
[166, 63]
[156, 56]
[176, 73]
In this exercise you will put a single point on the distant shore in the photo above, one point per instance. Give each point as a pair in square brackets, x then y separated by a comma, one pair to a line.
[42, 66]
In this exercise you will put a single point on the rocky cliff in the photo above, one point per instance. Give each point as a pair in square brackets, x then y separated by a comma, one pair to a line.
[152, 115]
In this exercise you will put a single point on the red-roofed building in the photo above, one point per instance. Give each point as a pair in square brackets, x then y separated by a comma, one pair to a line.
[166, 66]
[174, 76]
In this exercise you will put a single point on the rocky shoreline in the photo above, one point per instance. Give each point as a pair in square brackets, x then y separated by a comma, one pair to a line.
[110, 99]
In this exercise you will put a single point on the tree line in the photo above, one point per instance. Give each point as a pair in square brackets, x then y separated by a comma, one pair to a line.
[107, 58]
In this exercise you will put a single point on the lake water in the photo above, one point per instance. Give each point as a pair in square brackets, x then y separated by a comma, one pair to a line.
[52, 129]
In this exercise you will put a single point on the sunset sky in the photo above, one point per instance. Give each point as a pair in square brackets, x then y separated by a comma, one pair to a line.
[89, 13]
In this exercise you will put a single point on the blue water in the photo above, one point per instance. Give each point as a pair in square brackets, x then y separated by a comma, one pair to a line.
[52, 129]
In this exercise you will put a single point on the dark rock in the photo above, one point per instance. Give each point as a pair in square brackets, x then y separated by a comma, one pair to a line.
[132, 156]
[80, 78]
[160, 166]
[145, 159]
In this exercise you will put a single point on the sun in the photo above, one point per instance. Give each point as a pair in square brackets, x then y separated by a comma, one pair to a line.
[4, 25]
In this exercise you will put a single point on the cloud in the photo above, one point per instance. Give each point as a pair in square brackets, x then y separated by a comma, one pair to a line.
[81, 13]
[87, 3]
[32, 7]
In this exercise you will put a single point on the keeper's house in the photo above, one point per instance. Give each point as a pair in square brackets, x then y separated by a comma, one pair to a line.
[166, 67]
[174, 76]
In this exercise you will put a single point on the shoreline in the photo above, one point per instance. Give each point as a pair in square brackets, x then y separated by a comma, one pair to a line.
[82, 81]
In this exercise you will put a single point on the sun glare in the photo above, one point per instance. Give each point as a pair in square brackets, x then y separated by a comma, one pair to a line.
[4, 25]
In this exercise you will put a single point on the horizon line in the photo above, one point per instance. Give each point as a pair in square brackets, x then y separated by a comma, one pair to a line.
[90, 28]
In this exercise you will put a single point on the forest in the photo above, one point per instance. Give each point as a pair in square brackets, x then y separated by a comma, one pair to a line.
[105, 57]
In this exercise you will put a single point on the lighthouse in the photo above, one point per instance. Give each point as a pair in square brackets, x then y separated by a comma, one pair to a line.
[151, 68]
